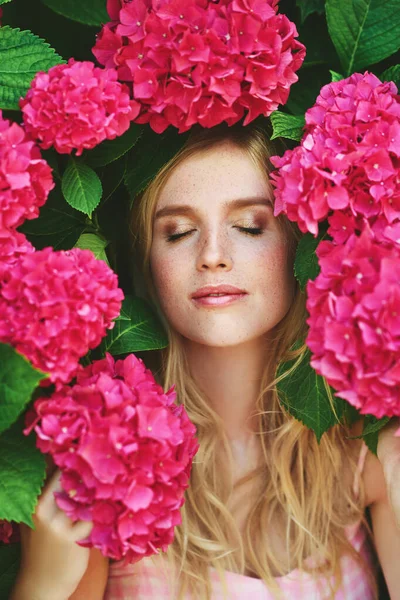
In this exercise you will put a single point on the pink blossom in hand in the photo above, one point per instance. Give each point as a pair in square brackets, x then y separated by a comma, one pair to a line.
[354, 322]
[348, 160]
[125, 451]
[55, 306]
[201, 61]
[25, 178]
[76, 106]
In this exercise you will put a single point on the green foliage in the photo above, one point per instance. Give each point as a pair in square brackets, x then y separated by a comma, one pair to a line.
[111, 150]
[93, 242]
[18, 380]
[136, 329]
[4, 2]
[371, 429]
[364, 31]
[306, 262]
[22, 468]
[81, 186]
[287, 126]
[22, 55]
[9, 566]
[392, 74]
[308, 7]
[336, 76]
[152, 151]
[89, 12]
[306, 396]
[58, 225]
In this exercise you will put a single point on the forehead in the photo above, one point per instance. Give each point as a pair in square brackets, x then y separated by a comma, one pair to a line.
[223, 172]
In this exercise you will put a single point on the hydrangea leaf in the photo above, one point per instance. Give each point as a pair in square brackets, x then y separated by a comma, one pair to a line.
[308, 7]
[89, 12]
[306, 396]
[364, 32]
[81, 186]
[18, 380]
[22, 55]
[58, 225]
[9, 565]
[4, 2]
[110, 150]
[152, 152]
[91, 241]
[306, 262]
[371, 429]
[336, 76]
[287, 126]
[391, 74]
[22, 473]
[136, 329]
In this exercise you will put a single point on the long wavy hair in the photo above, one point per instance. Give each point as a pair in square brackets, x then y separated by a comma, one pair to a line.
[298, 479]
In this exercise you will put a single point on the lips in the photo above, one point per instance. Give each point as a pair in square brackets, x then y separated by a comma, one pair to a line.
[217, 290]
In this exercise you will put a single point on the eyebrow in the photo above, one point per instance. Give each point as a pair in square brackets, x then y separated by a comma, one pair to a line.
[187, 209]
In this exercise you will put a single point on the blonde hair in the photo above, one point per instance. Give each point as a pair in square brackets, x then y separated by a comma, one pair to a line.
[298, 479]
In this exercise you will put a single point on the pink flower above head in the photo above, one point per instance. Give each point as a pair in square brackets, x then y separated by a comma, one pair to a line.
[230, 59]
[125, 451]
[76, 106]
[348, 159]
[25, 178]
[55, 306]
[354, 322]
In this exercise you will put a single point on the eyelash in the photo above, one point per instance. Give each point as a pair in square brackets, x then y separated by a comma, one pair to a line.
[249, 230]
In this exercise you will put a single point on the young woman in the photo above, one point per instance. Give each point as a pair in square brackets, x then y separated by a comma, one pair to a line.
[269, 512]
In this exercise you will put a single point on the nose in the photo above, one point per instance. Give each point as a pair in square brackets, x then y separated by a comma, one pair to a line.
[214, 253]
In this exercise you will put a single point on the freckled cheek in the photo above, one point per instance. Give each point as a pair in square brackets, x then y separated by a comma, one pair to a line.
[277, 278]
[168, 278]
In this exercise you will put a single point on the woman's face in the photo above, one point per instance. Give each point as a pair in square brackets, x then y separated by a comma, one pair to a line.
[219, 260]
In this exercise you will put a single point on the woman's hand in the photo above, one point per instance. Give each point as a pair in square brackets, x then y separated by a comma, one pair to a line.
[389, 456]
[52, 563]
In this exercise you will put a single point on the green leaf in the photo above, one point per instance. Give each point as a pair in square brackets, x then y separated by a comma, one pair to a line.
[81, 186]
[336, 76]
[287, 126]
[308, 7]
[22, 55]
[89, 12]
[91, 241]
[4, 2]
[304, 394]
[110, 150]
[391, 74]
[306, 262]
[152, 152]
[22, 473]
[136, 329]
[371, 429]
[58, 225]
[18, 379]
[364, 32]
[10, 555]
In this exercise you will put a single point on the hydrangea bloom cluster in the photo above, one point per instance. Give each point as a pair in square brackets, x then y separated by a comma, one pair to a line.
[347, 167]
[77, 106]
[354, 335]
[55, 306]
[6, 531]
[201, 61]
[25, 178]
[125, 451]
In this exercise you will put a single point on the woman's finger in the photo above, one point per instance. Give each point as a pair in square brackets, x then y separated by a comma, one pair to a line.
[81, 529]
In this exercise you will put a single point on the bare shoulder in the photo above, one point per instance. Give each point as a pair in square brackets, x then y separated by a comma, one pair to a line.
[94, 581]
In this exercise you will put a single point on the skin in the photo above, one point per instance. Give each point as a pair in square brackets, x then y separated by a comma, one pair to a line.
[226, 349]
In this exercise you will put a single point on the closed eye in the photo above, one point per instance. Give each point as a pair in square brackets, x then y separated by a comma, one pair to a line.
[177, 236]
[250, 230]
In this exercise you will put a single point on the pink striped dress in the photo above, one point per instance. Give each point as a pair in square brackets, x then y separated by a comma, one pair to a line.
[146, 581]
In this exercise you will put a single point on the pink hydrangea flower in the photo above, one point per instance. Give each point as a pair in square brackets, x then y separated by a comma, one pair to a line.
[25, 178]
[6, 531]
[77, 106]
[354, 335]
[201, 61]
[348, 160]
[55, 306]
[125, 451]
[13, 246]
